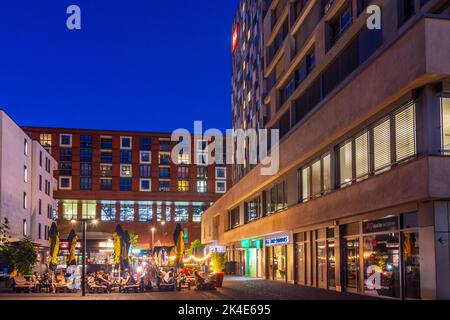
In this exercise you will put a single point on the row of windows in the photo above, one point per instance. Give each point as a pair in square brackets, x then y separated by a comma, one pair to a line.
[147, 211]
[125, 184]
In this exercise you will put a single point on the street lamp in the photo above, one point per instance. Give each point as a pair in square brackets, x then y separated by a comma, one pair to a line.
[153, 238]
[84, 223]
[163, 223]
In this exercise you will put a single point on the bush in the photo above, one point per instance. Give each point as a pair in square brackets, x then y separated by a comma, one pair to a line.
[21, 257]
[218, 261]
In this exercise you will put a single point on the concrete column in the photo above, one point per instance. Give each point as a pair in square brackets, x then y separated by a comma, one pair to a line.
[442, 249]
[118, 211]
[428, 118]
[339, 255]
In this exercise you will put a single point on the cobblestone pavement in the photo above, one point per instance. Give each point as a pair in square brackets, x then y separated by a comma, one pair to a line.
[234, 288]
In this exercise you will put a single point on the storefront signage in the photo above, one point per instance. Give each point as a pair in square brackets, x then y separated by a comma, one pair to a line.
[235, 39]
[251, 244]
[387, 224]
[277, 241]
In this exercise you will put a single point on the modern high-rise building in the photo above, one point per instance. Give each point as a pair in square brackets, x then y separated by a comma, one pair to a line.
[26, 187]
[129, 178]
[360, 94]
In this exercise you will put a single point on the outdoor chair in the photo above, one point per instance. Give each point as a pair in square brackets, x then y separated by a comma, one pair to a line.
[21, 284]
[61, 284]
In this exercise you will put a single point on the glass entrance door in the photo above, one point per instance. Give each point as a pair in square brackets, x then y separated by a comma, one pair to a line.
[351, 263]
[301, 263]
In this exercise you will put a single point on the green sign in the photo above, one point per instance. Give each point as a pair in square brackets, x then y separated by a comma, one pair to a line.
[251, 244]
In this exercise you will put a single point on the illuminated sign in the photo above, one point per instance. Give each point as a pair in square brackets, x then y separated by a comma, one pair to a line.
[251, 244]
[277, 241]
[235, 39]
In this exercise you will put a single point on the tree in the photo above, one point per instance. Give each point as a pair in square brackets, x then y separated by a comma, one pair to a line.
[24, 256]
[4, 232]
[196, 248]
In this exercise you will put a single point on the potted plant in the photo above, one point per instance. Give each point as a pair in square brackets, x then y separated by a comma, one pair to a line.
[218, 261]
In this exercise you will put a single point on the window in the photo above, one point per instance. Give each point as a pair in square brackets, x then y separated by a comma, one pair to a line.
[197, 211]
[145, 157]
[24, 227]
[202, 186]
[275, 198]
[40, 206]
[164, 172]
[315, 178]
[40, 159]
[183, 172]
[39, 231]
[70, 210]
[183, 185]
[164, 186]
[145, 171]
[125, 184]
[127, 211]
[105, 170]
[445, 125]
[181, 212]
[85, 155]
[159, 212]
[65, 140]
[164, 144]
[234, 218]
[346, 164]
[24, 200]
[145, 185]
[168, 211]
[405, 138]
[86, 169]
[40, 182]
[106, 143]
[145, 211]
[45, 139]
[145, 143]
[362, 156]
[125, 170]
[125, 143]
[340, 23]
[221, 173]
[382, 146]
[65, 154]
[405, 10]
[126, 156]
[164, 158]
[252, 210]
[108, 211]
[221, 187]
[106, 184]
[88, 210]
[85, 183]
[85, 141]
[106, 157]
[183, 158]
[25, 174]
[202, 172]
[65, 183]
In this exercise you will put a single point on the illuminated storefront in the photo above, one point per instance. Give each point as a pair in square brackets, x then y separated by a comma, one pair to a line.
[276, 248]
[253, 257]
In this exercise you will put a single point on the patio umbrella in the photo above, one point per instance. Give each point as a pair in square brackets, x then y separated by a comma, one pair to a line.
[73, 239]
[53, 239]
[117, 241]
[178, 240]
[126, 242]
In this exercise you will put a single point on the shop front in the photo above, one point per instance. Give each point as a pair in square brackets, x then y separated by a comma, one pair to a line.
[276, 252]
[253, 249]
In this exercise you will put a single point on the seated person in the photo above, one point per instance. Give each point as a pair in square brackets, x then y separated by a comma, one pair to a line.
[47, 282]
[102, 280]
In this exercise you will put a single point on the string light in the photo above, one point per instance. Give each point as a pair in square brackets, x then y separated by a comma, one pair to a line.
[194, 258]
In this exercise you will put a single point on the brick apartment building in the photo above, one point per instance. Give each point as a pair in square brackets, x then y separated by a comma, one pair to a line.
[128, 178]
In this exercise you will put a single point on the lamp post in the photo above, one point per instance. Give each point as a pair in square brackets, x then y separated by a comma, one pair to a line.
[84, 223]
[153, 238]
[163, 223]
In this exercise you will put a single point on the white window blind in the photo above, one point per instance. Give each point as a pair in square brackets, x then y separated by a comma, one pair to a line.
[405, 133]
[305, 184]
[362, 156]
[326, 167]
[316, 186]
[382, 145]
[345, 164]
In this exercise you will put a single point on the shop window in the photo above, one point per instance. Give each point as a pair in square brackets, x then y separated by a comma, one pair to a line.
[127, 211]
[108, 211]
[411, 260]
[145, 211]
[70, 210]
[181, 212]
[89, 210]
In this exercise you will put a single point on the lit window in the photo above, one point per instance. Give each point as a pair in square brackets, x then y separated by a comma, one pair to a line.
[25, 174]
[405, 134]
[164, 158]
[145, 211]
[70, 210]
[125, 170]
[183, 185]
[127, 211]
[164, 186]
[202, 186]
[221, 187]
[65, 183]
[105, 170]
[445, 125]
[181, 212]
[45, 139]
[125, 143]
[183, 158]
[108, 211]
[202, 172]
[89, 210]
[65, 139]
[346, 164]
[25, 147]
[145, 185]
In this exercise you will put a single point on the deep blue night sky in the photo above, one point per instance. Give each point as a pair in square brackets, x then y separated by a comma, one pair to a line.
[135, 65]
